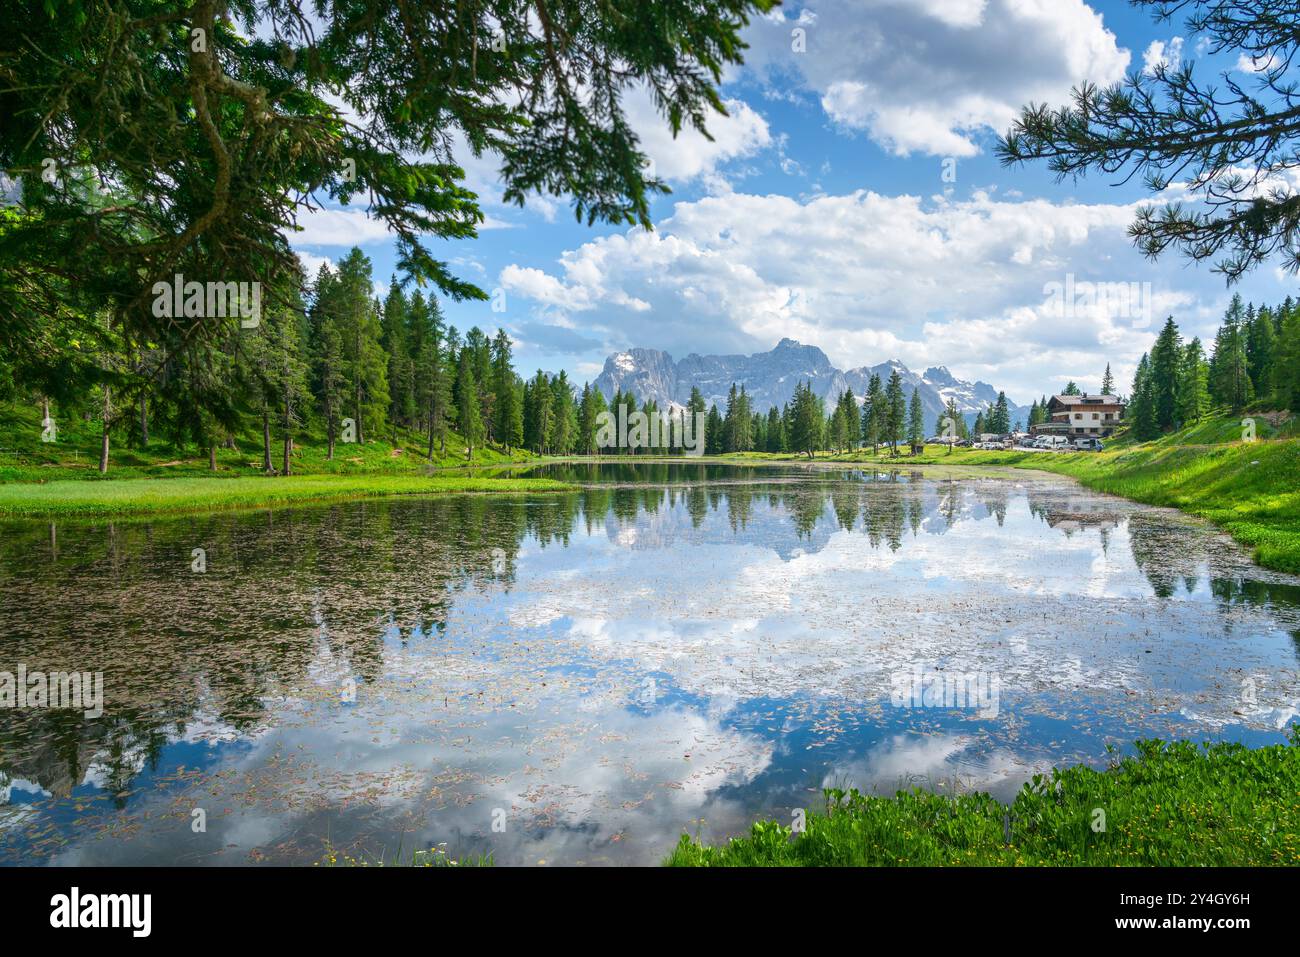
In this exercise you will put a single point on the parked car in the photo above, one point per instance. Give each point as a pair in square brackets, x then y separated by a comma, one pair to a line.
[1088, 445]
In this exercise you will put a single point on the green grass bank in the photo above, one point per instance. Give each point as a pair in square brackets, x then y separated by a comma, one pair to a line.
[124, 497]
[1170, 804]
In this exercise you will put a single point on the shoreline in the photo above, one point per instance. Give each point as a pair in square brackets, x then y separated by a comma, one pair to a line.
[1250, 491]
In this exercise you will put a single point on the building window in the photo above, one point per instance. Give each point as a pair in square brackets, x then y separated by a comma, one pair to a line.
[1095, 416]
[1078, 415]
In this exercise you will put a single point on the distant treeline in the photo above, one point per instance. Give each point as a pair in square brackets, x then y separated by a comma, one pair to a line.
[885, 416]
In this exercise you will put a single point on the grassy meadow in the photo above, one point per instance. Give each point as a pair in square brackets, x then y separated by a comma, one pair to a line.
[62, 479]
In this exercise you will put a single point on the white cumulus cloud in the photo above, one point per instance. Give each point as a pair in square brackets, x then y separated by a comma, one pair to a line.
[870, 277]
[932, 76]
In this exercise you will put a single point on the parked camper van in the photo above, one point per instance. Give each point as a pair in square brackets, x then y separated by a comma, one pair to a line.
[1088, 445]
[1053, 443]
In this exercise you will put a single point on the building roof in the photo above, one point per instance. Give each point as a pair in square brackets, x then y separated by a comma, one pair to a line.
[1086, 399]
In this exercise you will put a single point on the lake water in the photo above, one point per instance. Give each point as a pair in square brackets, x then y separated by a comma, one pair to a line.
[581, 678]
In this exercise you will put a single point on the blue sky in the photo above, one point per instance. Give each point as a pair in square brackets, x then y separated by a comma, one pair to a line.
[851, 200]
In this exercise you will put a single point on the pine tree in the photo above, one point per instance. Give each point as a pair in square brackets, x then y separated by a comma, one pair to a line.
[806, 421]
[394, 339]
[895, 411]
[758, 431]
[365, 364]
[838, 433]
[1193, 384]
[999, 418]
[509, 413]
[564, 429]
[289, 380]
[1166, 359]
[714, 432]
[743, 436]
[697, 415]
[775, 431]
[873, 414]
[480, 349]
[1286, 371]
[539, 413]
[469, 420]
[1261, 352]
[915, 420]
[1230, 383]
[434, 385]
[326, 347]
[1142, 407]
[852, 419]
[1107, 382]
[955, 427]
[586, 419]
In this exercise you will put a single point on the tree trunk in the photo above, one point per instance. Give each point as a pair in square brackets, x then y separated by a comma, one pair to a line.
[329, 430]
[144, 420]
[361, 436]
[288, 435]
[212, 455]
[108, 419]
[266, 439]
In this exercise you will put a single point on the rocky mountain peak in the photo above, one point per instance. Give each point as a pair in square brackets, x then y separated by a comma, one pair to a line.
[770, 379]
